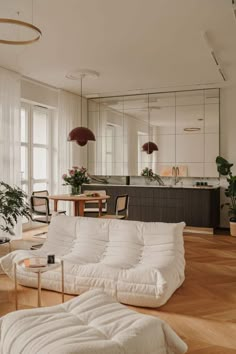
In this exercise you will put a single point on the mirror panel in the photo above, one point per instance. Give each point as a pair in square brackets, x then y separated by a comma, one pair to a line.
[189, 148]
[195, 170]
[184, 125]
[186, 98]
[211, 146]
[166, 146]
[210, 169]
[190, 118]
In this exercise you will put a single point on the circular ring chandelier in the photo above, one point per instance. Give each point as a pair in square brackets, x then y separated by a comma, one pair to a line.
[27, 25]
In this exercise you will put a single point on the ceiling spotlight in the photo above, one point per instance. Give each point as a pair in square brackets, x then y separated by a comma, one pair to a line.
[76, 75]
[192, 129]
[214, 56]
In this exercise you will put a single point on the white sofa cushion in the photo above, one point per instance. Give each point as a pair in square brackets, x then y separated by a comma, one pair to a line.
[91, 323]
[139, 263]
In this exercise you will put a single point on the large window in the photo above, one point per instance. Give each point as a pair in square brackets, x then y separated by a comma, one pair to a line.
[35, 148]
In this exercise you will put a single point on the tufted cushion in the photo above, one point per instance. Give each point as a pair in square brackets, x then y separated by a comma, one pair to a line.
[91, 323]
[139, 263]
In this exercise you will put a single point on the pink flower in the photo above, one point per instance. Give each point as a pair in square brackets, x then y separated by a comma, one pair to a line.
[64, 176]
[75, 167]
[71, 172]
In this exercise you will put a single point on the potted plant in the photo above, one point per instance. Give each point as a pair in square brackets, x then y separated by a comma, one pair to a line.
[224, 169]
[13, 204]
[75, 178]
[151, 176]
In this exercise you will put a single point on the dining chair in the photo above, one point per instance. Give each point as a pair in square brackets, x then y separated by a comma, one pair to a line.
[91, 207]
[40, 208]
[121, 208]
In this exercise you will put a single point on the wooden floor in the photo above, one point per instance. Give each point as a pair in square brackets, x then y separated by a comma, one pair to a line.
[202, 311]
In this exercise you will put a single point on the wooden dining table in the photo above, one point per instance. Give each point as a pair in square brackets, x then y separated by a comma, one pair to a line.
[79, 202]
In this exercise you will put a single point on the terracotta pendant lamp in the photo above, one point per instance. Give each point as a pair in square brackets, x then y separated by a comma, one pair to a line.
[150, 146]
[81, 134]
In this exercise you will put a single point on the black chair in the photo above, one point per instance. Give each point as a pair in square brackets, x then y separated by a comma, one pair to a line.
[121, 208]
[40, 209]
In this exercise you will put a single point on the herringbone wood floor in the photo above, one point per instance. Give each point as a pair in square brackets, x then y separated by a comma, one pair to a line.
[202, 311]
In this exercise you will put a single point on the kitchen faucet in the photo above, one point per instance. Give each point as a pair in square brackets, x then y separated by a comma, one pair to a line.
[175, 173]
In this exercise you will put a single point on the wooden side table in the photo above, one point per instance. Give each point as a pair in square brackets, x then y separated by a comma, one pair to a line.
[39, 271]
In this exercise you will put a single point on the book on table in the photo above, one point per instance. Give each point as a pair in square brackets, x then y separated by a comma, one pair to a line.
[35, 262]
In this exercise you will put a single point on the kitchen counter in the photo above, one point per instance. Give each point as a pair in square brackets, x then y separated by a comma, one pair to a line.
[198, 206]
[152, 186]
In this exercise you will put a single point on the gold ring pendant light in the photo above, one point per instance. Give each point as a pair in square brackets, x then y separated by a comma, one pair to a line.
[22, 24]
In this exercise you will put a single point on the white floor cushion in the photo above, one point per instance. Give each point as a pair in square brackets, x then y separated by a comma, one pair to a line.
[92, 323]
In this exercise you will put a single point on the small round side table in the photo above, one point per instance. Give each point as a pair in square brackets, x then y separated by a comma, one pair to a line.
[39, 270]
[4, 240]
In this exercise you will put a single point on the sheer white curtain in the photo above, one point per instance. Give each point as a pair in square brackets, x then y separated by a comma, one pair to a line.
[69, 153]
[10, 130]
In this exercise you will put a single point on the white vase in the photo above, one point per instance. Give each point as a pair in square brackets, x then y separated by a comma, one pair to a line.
[147, 181]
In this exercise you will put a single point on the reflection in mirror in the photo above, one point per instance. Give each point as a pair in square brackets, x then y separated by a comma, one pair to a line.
[184, 125]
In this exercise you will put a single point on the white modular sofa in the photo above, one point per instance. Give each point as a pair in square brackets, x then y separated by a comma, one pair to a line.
[138, 263]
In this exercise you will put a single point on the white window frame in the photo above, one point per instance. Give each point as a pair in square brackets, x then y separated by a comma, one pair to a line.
[30, 181]
[112, 152]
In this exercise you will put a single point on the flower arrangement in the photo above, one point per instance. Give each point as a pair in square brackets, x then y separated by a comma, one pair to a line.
[151, 176]
[75, 178]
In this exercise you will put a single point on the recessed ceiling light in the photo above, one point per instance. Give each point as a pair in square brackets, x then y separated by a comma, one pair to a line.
[76, 75]
[155, 108]
[192, 129]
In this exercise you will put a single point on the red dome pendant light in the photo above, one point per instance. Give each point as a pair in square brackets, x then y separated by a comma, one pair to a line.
[81, 134]
[150, 146]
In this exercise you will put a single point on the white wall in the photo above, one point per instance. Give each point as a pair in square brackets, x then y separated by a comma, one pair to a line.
[227, 137]
[39, 94]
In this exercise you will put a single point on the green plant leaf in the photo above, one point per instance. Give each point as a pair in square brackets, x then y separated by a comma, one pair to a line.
[223, 166]
[13, 204]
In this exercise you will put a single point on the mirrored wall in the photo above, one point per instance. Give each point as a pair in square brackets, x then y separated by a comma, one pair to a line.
[184, 125]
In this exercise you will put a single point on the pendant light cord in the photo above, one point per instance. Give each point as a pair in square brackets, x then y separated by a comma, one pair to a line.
[81, 99]
[148, 123]
[32, 12]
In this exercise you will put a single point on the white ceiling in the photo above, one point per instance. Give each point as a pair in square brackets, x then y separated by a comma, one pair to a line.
[147, 45]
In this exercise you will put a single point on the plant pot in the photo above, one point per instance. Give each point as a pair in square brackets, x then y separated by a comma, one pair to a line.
[232, 228]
